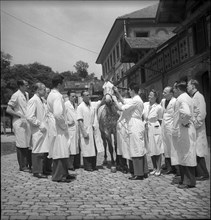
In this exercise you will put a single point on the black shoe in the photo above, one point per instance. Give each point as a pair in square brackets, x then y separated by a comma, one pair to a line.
[201, 178]
[64, 180]
[25, 170]
[89, 170]
[47, 173]
[95, 168]
[136, 178]
[70, 177]
[39, 175]
[168, 172]
[146, 175]
[73, 169]
[183, 186]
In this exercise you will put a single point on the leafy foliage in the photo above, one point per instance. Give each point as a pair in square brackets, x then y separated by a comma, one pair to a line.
[33, 73]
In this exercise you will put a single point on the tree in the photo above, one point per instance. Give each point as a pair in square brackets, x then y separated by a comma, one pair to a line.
[5, 60]
[81, 68]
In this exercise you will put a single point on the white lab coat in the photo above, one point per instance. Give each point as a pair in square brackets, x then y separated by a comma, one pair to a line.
[21, 126]
[91, 126]
[154, 135]
[167, 123]
[184, 138]
[200, 113]
[123, 146]
[58, 130]
[36, 116]
[134, 129]
[71, 113]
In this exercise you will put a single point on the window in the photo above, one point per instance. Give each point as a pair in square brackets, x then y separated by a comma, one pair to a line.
[142, 34]
[117, 51]
[114, 56]
[199, 36]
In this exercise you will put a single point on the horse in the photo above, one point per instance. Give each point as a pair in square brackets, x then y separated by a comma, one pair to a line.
[108, 117]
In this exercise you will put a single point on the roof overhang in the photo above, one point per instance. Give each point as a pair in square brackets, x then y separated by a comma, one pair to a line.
[171, 11]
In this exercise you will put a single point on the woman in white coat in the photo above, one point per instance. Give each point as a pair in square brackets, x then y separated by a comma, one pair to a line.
[153, 118]
[184, 136]
[135, 130]
[199, 123]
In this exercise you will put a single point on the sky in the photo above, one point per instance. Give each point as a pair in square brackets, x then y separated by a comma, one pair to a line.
[60, 33]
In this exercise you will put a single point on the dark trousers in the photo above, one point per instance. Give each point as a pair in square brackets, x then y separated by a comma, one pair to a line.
[73, 161]
[77, 161]
[37, 162]
[30, 159]
[140, 165]
[201, 168]
[90, 162]
[188, 175]
[23, 157]
[60, 169]
[47, 167]
[121, 163]
[131, 169]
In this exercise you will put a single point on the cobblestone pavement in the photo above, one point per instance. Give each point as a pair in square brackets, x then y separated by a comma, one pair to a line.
[98, 195]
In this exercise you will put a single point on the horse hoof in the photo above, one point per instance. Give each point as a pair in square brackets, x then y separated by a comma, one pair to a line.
[113, 169]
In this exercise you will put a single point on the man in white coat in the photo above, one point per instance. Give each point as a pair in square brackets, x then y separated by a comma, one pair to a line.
[199, 122]
[184, 136]
[71, 112]
[35, 115]
[167, 122]
[133, 108]
[90, 140]
[59, 149]
[17, 106]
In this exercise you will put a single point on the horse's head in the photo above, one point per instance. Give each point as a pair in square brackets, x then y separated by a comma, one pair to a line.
[108, 99]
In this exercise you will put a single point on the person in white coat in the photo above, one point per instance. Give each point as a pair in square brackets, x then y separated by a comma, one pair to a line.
[184, 136]
[167, 104]
[73, 129]
[35, 115]
[59, 149]
[47, 161]
[199, 122]
[17, 106]
[153, 117]
[135, 130]
[89, 133]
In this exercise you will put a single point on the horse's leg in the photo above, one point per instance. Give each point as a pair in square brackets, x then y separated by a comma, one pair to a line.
[105, 148]
[110, 147]
[118, 159]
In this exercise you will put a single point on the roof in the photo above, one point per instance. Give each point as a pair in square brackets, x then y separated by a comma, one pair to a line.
[148, 12]
[118, 27]
[146, 42]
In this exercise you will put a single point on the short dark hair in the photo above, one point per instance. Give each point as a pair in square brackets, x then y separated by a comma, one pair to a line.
[56, 80]
[20, 82]
[83, 91]
[134, 86]
[182, 85]
[156, 94]
[69, 92]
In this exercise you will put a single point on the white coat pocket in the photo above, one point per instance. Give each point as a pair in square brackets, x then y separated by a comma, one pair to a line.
[157, 130]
